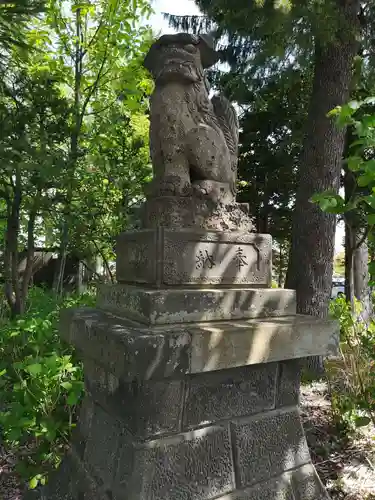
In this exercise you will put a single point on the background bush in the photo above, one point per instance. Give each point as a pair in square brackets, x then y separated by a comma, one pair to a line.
[41, 383]
[352, 377]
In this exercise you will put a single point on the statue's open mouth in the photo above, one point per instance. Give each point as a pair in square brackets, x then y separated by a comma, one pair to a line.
[177, 66]
[178, 62]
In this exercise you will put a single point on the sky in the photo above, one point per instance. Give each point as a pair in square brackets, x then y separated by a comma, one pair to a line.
[179, 7]
[188, 7]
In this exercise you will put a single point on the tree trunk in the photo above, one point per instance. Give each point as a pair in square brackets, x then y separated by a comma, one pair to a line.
[372, 262]
[349, 249]
[73, 154]
[356, 247]
[281, 266]
[361, 276]
[28, 273]
[11, 259]
[350, 185]
[59, 282]
[311, 263]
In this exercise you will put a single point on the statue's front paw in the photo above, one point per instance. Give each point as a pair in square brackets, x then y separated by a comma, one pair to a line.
[218, 192]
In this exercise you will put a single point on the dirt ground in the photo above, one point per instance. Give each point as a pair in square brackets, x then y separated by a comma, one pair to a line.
[345, 465]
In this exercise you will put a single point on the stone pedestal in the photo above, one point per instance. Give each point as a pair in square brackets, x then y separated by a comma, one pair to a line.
[194, 211]
[192, 378]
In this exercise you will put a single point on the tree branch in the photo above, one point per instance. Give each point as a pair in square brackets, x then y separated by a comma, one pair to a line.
[104, 260]
[94, 36]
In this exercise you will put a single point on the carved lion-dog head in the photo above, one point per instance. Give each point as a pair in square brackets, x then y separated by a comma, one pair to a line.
[181, 57]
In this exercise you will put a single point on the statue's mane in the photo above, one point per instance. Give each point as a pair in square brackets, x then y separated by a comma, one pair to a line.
[199, 104]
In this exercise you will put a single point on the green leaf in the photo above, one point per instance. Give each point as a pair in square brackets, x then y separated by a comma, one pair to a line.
[327, 203]
[73, 398]
[344, 116]
[34, 369]
[370, 199]
[33, 483]
[354, 163]
[362, 421]
[358, 142]
[66, 385]
[369, 167]
[371, 219]
[3, 372]
[364, 180]
[334, 112]
[83, 6]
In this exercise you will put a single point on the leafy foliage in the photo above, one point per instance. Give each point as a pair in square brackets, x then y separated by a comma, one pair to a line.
[74, 143]
[14, 17]
[361, 161]
[352, 376]
[357, 207]
[40, 384]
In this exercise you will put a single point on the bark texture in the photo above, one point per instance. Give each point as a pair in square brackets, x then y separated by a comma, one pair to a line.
[311, 263]
[361, 278]
[356, 248]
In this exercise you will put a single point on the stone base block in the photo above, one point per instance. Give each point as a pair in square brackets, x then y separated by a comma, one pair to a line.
[234, 439]
[73, 481]
[163, 306]
[175, 212]
[162, 257]
[132, 350]
[300, 484]
[190, 411]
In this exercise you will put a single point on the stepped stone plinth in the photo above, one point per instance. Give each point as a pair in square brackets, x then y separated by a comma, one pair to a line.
[191, 360]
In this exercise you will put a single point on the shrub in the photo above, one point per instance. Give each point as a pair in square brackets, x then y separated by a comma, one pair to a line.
[352, 376]
[40, 385]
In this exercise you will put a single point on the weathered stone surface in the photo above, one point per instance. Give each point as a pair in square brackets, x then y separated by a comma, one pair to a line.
[64, 485]
[102, 447]
[288, 389]
[163, 306]
[124, 349]
[81, 433]
[193, 140]
[71, 481]
[300, 484]
[191, 466]
[129, 351]
[176, 212]
[275, 489]
[225, 394]
[185, 257]
[148, 408]
[268, 445]
[217, 346]
[307, 485]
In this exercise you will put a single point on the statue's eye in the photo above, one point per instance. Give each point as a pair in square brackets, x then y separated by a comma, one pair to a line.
[191, 48]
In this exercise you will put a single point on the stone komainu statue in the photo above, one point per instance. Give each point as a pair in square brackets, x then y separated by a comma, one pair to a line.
[193, 139]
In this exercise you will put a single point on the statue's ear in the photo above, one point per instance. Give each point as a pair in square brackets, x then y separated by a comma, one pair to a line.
[209, 56]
